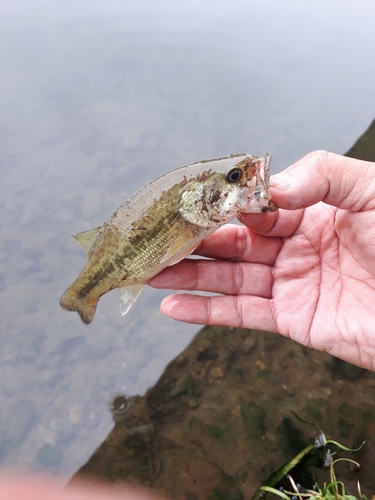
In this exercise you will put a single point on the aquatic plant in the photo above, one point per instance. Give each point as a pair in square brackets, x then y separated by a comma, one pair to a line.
[335, 489]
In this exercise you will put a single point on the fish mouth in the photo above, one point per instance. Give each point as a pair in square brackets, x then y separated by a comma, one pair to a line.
[261, 191]
[262, 178]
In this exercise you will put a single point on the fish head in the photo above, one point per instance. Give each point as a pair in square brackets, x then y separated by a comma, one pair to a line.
[239, 183]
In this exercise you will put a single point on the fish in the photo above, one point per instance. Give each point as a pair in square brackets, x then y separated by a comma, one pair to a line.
[163, 223]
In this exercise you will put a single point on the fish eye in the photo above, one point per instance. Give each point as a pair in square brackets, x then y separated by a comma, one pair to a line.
[234, 175]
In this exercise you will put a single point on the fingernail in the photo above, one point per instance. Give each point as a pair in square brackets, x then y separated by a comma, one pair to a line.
[279, 181]
[169, 305]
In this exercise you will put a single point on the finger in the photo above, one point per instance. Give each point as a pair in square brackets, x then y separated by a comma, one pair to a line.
[238, 243]
[229, 278]
[239, 312]
[282, 223]
[337, 180]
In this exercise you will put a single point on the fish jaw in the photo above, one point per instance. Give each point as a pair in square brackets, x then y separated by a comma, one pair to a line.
[258, 197]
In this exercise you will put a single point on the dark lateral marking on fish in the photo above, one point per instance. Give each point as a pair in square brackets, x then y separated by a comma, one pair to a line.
[108, 269]
[131, 252]
[86, 289]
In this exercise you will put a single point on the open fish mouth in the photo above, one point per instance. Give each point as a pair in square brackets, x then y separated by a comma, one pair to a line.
[260, 185]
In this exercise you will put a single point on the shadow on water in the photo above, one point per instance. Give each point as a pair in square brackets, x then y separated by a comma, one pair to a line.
[232, 408]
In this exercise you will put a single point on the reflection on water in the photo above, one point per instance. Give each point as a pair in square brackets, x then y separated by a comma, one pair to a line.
[99, 99]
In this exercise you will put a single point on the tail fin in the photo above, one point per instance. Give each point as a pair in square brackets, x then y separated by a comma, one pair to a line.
[71, 302]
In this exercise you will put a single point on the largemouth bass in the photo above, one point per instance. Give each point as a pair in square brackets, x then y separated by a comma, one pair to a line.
[163, 223]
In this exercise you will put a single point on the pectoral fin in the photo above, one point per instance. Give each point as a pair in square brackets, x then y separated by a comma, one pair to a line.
[86, 238]
[128, 295]
[180, 248]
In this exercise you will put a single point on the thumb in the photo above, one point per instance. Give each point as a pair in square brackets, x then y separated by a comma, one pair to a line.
[337, 180]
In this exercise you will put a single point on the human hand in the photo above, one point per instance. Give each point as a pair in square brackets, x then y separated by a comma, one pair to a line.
[306, 271]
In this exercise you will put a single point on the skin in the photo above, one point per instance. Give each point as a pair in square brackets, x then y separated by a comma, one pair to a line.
[39, 488]
[306, 271]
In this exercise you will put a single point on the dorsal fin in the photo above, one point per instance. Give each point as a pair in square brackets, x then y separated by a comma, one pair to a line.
[86, 238]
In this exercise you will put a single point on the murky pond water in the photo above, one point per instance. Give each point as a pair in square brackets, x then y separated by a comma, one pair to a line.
[99, 98]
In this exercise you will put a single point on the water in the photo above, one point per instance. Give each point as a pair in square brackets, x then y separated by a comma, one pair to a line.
[99, 98]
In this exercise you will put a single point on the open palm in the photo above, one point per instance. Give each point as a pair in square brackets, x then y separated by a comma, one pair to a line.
[307, 273]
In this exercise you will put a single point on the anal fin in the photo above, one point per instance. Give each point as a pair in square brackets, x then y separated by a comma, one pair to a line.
[128, 295]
